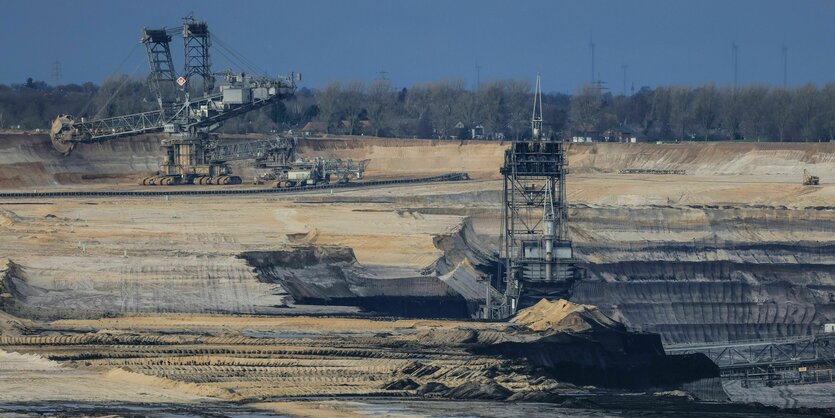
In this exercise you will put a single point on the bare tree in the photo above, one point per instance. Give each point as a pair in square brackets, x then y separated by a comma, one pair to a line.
[492, 103]
[585, 110]
[825, 119]
[755, 110]
[805, 108]
[520, 105]
[469, 108]
[352, 104]
[381, 102]
[681, 113]
[706, 108]
[445, 95]
[781, 106]
[328, 101]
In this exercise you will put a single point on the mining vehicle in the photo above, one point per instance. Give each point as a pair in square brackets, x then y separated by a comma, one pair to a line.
[810, 180]
[186, 123]
[310, 172]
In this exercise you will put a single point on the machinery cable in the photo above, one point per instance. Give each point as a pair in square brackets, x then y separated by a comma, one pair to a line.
[117, 70]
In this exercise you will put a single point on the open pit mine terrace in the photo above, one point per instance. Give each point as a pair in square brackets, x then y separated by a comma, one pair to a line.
[359, 300]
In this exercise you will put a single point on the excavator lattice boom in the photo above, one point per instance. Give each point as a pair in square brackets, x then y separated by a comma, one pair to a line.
[185, 122]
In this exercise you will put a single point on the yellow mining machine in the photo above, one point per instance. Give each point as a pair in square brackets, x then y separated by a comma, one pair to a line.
[809, 179]
[187, 123]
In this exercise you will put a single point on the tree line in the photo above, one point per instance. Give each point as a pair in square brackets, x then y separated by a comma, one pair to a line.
[448, 109]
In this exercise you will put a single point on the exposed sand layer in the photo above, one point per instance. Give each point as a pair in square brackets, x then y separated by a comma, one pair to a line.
[92, 257]
[32, 378]
[27, 160]
[562, 315]
[256, 358]
[735, 249]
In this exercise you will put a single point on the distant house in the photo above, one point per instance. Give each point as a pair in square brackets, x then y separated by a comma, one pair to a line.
[477, 132]
[314, 128]
[363, 127]
[622, 133]
[585, 133]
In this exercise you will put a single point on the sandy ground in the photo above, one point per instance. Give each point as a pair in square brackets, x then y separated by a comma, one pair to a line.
[183, 310]
[181, 359]
[260, 324]
[31, 378]
[179, 254]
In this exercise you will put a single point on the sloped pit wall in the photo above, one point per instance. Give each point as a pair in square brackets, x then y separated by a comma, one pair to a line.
[28, 161]
[317, 275]
[608, 358]
[705, 274]
[464, 244]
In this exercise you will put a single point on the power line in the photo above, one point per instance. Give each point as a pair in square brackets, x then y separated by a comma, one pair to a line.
[113, 74]
[57, 73]
[624, 67]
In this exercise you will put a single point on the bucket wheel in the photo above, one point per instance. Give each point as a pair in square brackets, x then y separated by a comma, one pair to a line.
[60, 132]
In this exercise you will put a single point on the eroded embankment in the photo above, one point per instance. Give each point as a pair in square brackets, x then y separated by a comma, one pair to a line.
[410, 157]
[318, 275]
[189, 285]
[580, 344]
[451, 287]
[709, 274]
[718, 158]
[696, 273]
[28, 160]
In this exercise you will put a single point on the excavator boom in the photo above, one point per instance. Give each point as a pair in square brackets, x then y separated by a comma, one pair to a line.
[178, 113]
[191, 155]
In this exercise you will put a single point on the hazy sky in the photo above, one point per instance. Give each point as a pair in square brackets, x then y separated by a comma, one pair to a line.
[661, 41]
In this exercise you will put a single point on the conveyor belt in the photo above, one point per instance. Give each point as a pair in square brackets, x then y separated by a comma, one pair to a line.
[172, 190]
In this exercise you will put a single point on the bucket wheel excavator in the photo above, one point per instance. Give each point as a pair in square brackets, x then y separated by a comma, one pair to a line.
[186, 123]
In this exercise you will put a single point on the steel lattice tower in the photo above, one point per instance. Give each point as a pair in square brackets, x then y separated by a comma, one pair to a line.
[163, 75]
[535, 249]
[197, 41]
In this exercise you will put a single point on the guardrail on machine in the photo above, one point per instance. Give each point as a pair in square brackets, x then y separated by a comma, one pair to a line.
[807, 359]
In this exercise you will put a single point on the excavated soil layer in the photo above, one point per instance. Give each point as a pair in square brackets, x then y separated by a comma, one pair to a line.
[709, 274]
[735, 249]
[332, 276]
[28, 160]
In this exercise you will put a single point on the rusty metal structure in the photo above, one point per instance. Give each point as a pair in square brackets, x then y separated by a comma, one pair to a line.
[186, 122]
[536, 252]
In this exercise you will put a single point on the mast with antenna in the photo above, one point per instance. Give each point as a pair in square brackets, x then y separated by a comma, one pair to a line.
[536, 119]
